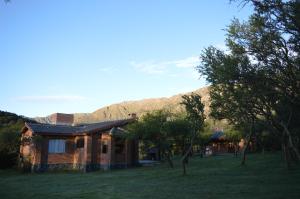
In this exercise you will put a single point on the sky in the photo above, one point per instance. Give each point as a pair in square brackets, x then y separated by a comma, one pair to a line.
[75, 56]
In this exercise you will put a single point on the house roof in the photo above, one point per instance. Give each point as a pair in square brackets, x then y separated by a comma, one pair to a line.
[51, 129]
[218, 135]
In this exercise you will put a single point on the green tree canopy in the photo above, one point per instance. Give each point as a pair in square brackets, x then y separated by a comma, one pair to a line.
[259, 77]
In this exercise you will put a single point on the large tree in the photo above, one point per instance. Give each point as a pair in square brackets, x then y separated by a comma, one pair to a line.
[195, 115]
[259, 77]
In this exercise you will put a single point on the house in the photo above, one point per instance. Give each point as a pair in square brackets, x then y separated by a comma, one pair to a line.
[77, 147]
[219, 144]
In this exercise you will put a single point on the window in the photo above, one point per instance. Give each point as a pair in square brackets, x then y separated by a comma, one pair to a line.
[80, 143]
[120, 145]
[104, 146]
[57, 146]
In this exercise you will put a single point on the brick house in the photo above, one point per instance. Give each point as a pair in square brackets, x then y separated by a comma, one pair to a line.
[82, 147]
[218, 144]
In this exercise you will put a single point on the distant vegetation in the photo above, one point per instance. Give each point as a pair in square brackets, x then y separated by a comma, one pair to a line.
[10, 127]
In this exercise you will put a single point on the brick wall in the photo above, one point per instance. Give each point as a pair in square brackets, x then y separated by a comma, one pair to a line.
[67, 157]
[62, 118]
[90, 155]
[105, 158]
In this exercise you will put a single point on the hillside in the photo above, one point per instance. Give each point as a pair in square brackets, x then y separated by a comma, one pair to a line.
[140, 107]
[10, 122]
[10, 127]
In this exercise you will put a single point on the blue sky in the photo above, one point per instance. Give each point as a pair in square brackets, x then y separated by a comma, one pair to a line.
[77, 56]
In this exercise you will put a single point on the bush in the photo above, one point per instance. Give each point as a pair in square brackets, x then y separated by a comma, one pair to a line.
[8, 159]
[9, 149]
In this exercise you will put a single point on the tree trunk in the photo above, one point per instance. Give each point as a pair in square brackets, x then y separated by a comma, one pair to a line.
[244, 154]
[184, 167]
[236, 149]
[286, 155]
[168, 156]
[202, 151]
[290, 142]
[159, 152]
[247, 145]
[185, 157]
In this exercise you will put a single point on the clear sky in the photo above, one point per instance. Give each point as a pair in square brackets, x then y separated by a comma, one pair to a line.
[79, 55]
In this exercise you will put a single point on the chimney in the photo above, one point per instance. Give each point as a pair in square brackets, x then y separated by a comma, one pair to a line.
[62, 119]
[133, 115]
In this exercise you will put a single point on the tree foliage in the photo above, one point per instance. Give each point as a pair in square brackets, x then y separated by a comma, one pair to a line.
[259, 77]
[195, 115]
[195, 110]
[10, 127]
[150, 130]
[179, 131]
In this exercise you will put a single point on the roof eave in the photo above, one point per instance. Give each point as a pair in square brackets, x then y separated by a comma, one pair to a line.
[60, 134]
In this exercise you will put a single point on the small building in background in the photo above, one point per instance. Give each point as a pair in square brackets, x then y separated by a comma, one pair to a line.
[218, 144]
[85, 147]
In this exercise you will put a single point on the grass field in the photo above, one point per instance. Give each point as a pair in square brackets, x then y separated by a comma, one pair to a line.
[265, 176]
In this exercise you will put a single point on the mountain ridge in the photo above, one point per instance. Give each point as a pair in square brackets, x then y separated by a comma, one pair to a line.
[140, 107]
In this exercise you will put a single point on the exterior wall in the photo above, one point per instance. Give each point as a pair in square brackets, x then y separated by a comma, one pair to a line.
[89, 157]
[73, 158]
[60, 158]
[88, 148]
[95, 152]
[79, 154]
[29, 152]
[220, 148]
[99, 148]
[63, 158]
[106, 159]
[225, 147]
[132, 152]
[127, 158]
[27, 133]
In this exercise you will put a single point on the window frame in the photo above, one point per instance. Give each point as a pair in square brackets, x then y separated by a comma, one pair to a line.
[57, 146]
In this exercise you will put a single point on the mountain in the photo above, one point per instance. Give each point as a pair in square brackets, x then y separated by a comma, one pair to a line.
[140, 107]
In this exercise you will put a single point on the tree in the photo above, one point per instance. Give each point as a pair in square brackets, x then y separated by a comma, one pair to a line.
[150, 130]
[10, 127]
[179, 130]
[195, 115]
[259, 78]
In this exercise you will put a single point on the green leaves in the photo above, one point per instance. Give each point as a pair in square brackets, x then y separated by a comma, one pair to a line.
[258, 78]
[195, 110]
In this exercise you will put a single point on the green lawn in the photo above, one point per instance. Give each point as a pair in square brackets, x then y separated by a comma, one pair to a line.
[265, 176]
